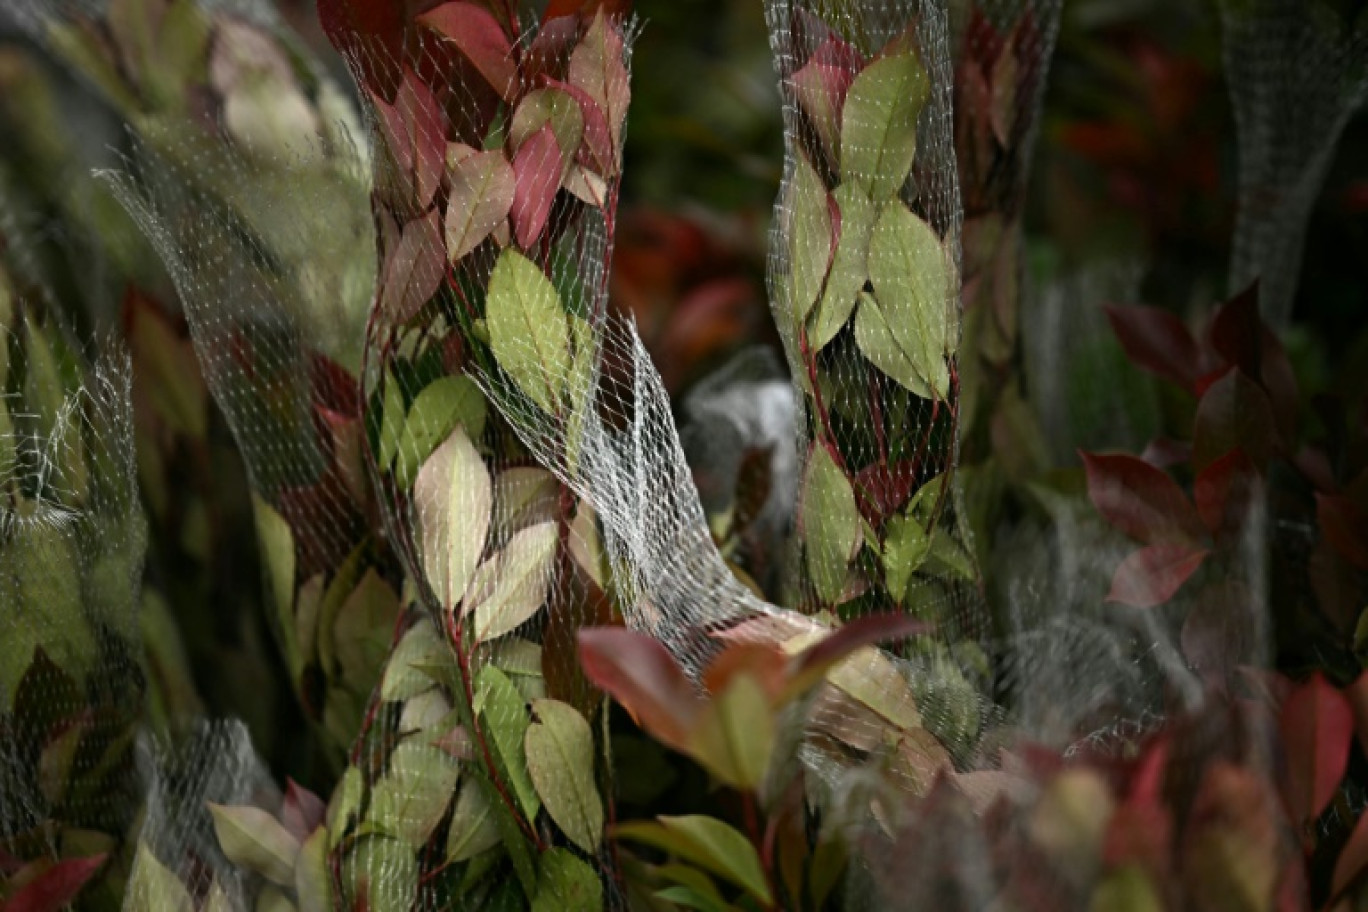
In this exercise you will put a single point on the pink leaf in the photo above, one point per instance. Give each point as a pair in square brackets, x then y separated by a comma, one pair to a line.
[1157, 341]
[56, 887]
[597, 66]
[415, 269]
[537, 172]
[1139, 500]
[414, 130]
[1151, 576]
[599, 151]
[302, 811]
[820, 87]
[1317, 724]
[482, 192]
[866, 631]
[482, 40]
[638, 672]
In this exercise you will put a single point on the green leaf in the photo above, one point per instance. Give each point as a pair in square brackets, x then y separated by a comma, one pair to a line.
[506, 721]
[906, 546]
[418, 649]
[549, 106]
[364, 631]
[473, 827]
[271, 899]
[344, 805]
[528, 332]
[391, 421]
[948, 555]
[152, 886]
[598, 67]
[253, 839]
[735, 737]
[380, 874]
[453, 496]
[809, 234]
[442, 406]
[565, 883]
[689, 898]
[708, 843]
[481, 197]
[831, 524]
[520, 577]
[525, 496]
[849, 266]
[313, 881]
[879, 124]
[908, 333]
[276, 543]
[413, 796]
[560, 759]
[514, 843]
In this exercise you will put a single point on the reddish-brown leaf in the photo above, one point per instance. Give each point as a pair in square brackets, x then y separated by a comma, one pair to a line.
[302, 811]
[1345, 527]
[1234, 413]
[763, 661]
[537, 170]
[1316, 723]
[638, 672]
[557, 8]
[1140, 500]
[1225, 491]
[56, 887]
[414, 270]
[1237, 332]
[414, 130]
[1353, 858]
[1157, 341]
[812, 663]
[1152, 575]
[482, 40]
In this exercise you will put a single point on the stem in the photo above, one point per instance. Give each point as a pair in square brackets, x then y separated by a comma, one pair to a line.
[810, 360]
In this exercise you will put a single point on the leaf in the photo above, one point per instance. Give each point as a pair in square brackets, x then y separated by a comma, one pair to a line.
[639, 673]
[514, 842]
[810, 236]
[1317, 726]
[552, 107]
[482, 40]
[56, 887]
[708, 843]
[253, 839]
[1352, 859]
[905, 548]
[364, 630]
[522, 579]
[598, 68]
[831, 524]
[414, 131]
[444, 405]
[560, 760]
[1235, 413]
[412, 797]
[1237, 332]
[1345, 527]
[313, 880]
[505, 714]
[380, 875]
[152, 886]
[1225, 493]
[473, 829]
[1157, 341]
[879, 124]
[454, 497]
[528, 331]
[482, 190]
[820, 86]
[1154, 574]
[565, 883]
[276, 543]
[1141, 501]
[302, 811]
[734, 737]
[914, 287]
[418, 648]
[849, 639]
[414, 270]
[537, 167]
[849, 265]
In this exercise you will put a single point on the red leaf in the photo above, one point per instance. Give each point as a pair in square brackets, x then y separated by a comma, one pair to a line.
[414, 130]
[598, 150]
[1237, 332]
[1316, 723]
[537, 169]
[1353, 858]
[302, 811]
[481, 39]
[1345, 527]
[414, 270]
[1225, 492]
[56, 887]
[763, 661]
[866, 631]
[557, 8]
[1151, 576]
[370, 34]
[1140, 500]
[1165, 452]
[1357, 694]
[1157, 341]
[640, 674]
[1234, 413]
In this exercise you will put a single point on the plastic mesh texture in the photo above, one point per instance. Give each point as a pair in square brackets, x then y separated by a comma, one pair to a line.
[1297, 73]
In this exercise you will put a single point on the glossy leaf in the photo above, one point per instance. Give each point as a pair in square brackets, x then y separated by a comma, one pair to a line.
[1154, 574]
[879, 124]
[830, 524]
[708, 843]
[849, 265]
[1317, 727]
[521, 581]
[253, 839]
[481, 197]
[1141, 501]
[639, 673]
[734, 737]
[527, 329]
[560, 760]
[810, 233]
[454, 496]
[480, 37]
